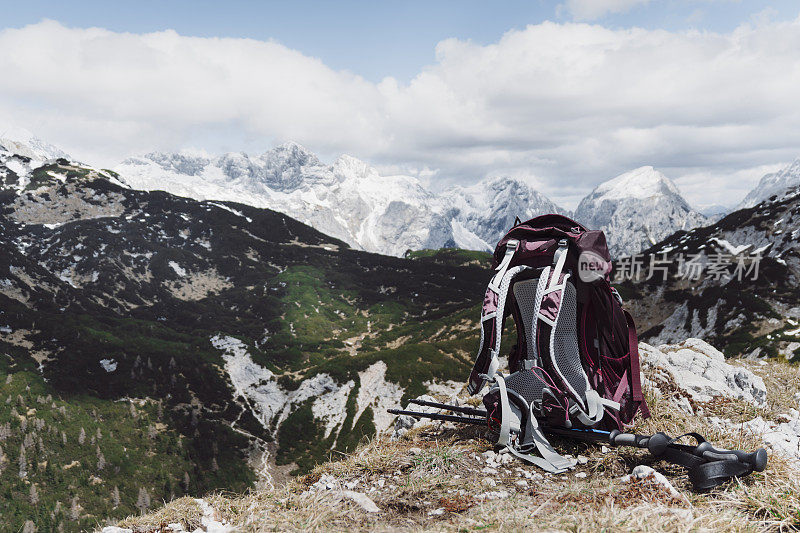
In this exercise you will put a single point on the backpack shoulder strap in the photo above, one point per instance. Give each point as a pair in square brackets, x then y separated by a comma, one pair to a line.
[487, 361]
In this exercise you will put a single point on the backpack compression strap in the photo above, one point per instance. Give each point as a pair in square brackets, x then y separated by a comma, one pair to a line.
[528, 439]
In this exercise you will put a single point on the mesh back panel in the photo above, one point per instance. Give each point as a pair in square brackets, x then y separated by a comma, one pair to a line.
[566, 354]
[526, 384]
[525, 294]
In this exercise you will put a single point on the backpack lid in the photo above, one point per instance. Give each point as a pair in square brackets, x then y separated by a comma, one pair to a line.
[554, 226]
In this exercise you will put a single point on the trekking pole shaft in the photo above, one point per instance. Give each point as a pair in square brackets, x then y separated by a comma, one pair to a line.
[437, 416]
[446, 407]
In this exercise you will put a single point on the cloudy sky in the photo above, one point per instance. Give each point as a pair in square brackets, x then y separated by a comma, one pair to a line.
[564, 94]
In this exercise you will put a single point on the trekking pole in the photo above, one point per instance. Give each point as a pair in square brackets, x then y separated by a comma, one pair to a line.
[708, 466]
[438, 416]
[660, 443]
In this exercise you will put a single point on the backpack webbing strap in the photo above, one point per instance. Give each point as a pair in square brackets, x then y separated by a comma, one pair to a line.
[511, 248]
[559, 258]
[550, 460]
[635, 376]
[534, 438]
[596, 406]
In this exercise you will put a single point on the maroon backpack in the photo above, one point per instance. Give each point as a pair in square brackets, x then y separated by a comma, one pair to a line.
[575, 363]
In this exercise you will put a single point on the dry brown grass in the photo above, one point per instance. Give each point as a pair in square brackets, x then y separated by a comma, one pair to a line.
[432, 480]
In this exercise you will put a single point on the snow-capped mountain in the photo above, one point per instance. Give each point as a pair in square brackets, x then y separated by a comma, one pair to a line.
[20, 154]
[23, 143]
[636, 210]
[352, 201]
[349, 199]
[487, 210]
[772, 184]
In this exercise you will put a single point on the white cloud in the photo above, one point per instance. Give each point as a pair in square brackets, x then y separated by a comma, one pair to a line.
[568, 105]
[595, 9]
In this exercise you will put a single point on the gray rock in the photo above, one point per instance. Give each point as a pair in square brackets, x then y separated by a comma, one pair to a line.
[701, 371]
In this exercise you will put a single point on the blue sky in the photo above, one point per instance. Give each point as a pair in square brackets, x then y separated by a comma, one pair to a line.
[374, 39]
[563, 94]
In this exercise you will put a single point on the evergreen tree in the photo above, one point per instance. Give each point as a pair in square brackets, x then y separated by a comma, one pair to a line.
[23, 462]
[143, 501]
[101, 460]
[74, 509]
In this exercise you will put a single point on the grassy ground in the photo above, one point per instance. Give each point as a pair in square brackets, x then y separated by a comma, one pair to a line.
[436, 479]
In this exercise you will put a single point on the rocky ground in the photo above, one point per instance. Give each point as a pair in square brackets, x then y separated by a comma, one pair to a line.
[434, 476]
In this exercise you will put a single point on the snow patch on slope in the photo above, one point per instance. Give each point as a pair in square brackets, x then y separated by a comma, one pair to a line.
[270, 404]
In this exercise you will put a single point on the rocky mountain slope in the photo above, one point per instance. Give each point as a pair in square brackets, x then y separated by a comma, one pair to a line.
[440, 477]
[636, 210]
[216, 343]
[774, 183]
[734, 282]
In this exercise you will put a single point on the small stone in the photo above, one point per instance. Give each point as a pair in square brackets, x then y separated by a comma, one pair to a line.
[436, 512]
[457, 476]
[415, 451]
[495, 495]
[580, 475]
[351, 484]
[326, 482]
[582, 459]
[487, 470]
[644, 472]
[521, 483]
[605, 449]
[489, 482]
[362, 500]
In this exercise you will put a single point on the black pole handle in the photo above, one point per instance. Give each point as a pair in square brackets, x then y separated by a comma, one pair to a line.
[756, 459]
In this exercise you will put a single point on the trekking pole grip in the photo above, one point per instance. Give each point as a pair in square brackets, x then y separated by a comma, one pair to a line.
[756, 459]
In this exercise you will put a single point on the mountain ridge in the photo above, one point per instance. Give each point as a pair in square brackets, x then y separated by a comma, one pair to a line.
[772, 184]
